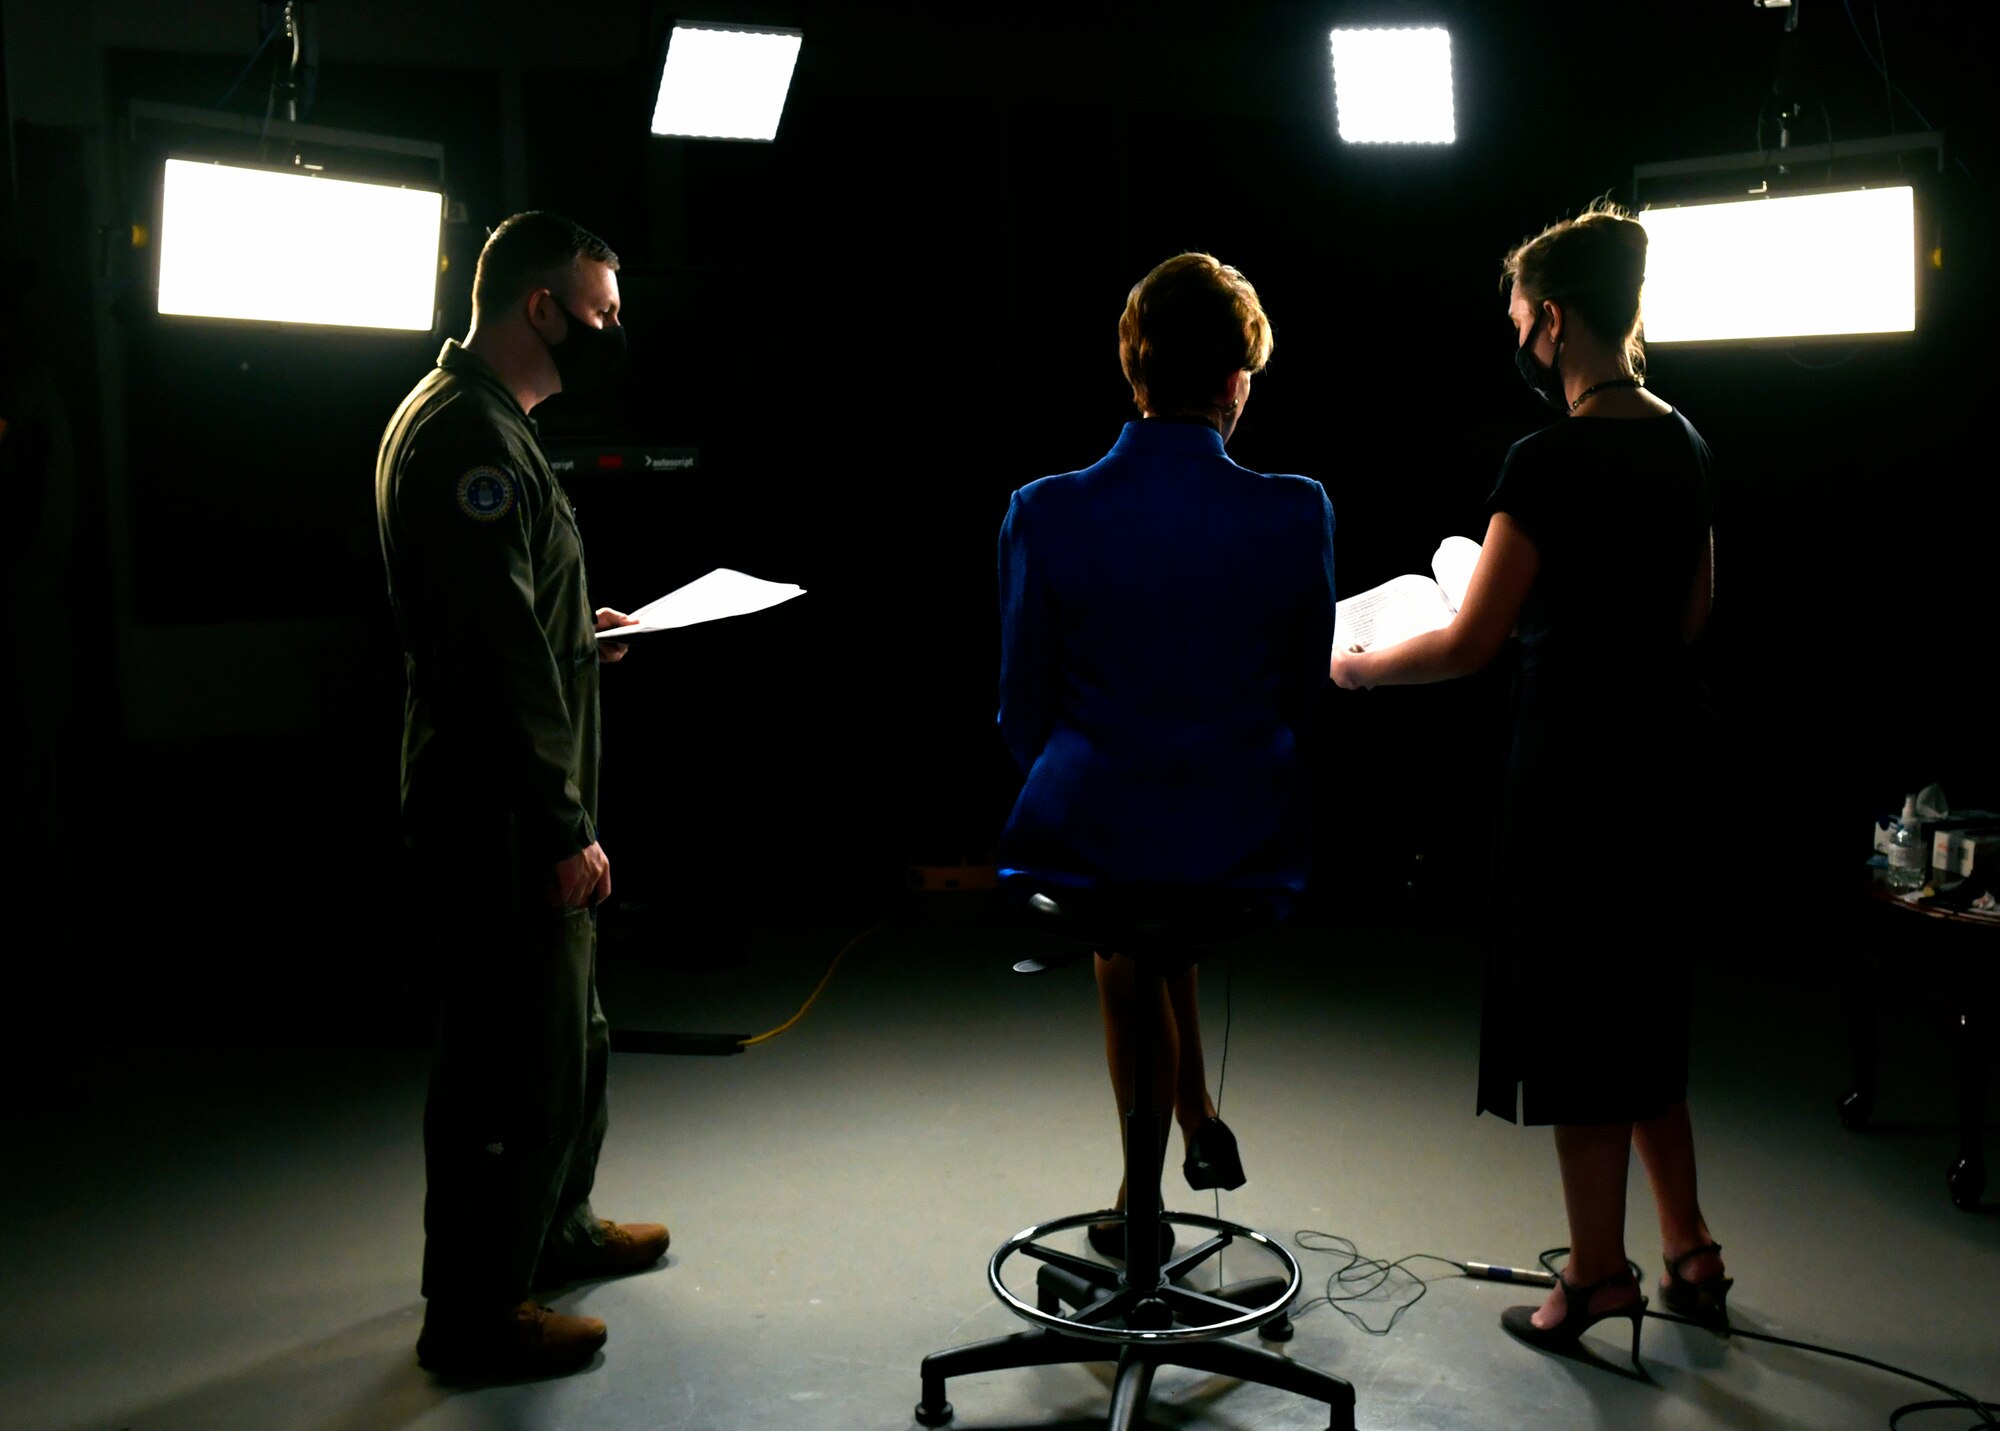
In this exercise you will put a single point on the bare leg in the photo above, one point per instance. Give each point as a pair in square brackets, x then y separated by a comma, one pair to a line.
[1115, 977]
[1594, 1158]
[1666, 1148]
[1192, 1105]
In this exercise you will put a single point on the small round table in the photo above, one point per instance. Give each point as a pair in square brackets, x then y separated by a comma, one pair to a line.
[1955, 957]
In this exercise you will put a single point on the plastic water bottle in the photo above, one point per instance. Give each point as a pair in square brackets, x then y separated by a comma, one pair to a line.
[1909, 861]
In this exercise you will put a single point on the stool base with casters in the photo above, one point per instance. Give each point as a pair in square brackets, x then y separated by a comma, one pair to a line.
[1136, 1364]
[1144, 1315]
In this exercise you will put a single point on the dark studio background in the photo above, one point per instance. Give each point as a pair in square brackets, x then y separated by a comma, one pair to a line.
[873, 331]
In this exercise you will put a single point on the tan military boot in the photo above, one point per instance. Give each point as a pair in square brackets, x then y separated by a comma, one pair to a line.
[518, 1343]
[627, 1247]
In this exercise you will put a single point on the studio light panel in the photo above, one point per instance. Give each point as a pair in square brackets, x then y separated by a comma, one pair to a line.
[1393, 86]
[288, 246]
[725, 81]
[1808, 265]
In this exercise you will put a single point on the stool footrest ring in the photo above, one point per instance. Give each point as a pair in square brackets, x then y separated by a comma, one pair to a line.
[1196, 1315]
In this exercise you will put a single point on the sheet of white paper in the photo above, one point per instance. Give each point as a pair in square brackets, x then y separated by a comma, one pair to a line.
[1401, 607]
[707, 598]
[1452, 566]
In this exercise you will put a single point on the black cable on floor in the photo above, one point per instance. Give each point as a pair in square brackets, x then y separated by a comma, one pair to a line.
[1359, 1278]
[1370, 1274]
[1958, 1401]
[1547, 1259]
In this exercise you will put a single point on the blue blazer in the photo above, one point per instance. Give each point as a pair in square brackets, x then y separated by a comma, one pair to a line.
[1165, 622]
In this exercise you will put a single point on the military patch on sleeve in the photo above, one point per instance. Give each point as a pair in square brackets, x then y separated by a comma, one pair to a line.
[486, 494]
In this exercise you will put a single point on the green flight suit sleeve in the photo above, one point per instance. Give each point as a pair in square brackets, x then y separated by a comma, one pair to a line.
[476, 530]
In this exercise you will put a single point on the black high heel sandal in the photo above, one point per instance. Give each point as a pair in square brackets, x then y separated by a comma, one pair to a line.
[1705, 1303]
[1577, 1318]
[1212, 1160]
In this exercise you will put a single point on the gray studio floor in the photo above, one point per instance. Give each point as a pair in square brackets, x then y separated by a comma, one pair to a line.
[228, 1238]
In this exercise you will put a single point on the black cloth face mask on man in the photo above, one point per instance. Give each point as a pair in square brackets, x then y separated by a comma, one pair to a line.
[586, 356]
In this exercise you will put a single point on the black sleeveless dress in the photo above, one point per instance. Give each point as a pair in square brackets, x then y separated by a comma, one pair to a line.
[1608, 777]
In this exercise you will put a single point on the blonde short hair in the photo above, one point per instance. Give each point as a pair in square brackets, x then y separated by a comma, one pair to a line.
[1187, 326]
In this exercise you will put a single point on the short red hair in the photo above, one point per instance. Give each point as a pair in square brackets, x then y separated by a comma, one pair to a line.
[1187, 326]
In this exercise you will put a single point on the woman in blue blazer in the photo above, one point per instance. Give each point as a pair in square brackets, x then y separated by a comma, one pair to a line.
[1166, 621]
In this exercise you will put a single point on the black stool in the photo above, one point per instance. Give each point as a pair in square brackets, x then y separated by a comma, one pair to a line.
[1143, 1315]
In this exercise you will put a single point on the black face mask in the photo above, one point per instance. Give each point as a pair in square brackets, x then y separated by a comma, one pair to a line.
[1546, 382]
[587, 355]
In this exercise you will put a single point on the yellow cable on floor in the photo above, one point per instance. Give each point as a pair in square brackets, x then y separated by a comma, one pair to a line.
[813, 998]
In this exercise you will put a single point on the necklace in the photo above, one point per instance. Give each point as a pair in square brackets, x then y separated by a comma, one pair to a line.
[1633, 382]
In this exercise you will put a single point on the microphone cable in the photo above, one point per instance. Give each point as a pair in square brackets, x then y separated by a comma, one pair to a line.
[1222, 1071]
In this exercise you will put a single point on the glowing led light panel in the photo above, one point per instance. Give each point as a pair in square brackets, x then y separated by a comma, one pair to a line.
[1393, 86]
[725, 82]
[281, 247]
[1795, 267]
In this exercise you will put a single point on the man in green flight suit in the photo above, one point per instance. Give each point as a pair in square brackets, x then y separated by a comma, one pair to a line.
[500, 753]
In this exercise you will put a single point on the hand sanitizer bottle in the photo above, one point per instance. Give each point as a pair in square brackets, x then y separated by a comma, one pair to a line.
[1909, 861]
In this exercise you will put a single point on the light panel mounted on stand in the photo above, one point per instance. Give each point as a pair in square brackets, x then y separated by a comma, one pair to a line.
[1811, 265]
[345, 231]
[287, 245]
[725, 81]
[1823, 245]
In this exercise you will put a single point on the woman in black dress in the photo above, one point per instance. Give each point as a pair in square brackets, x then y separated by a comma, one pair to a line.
[1599, 555]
